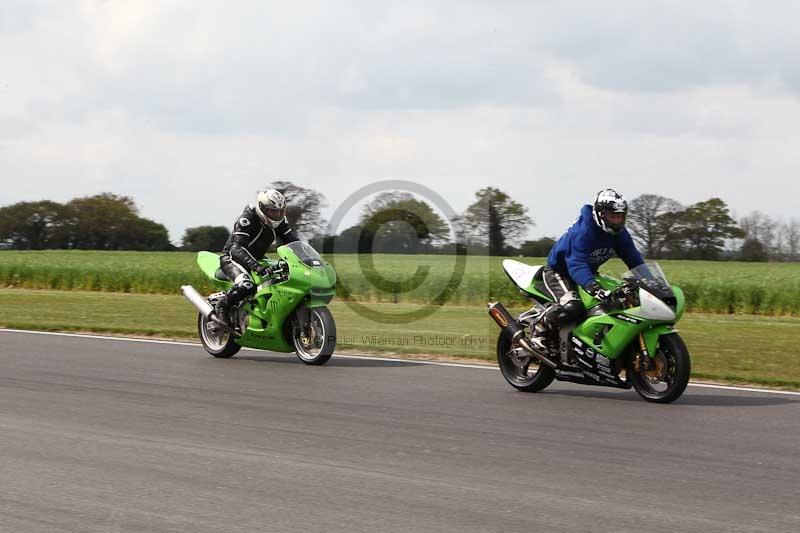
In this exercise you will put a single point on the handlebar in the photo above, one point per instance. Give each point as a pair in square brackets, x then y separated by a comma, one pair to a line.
[625, 289]
[281, 270]
[622, 294]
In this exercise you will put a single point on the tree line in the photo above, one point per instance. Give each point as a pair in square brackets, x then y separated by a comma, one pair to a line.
[101, 222]
[665, 229]
[398, 222]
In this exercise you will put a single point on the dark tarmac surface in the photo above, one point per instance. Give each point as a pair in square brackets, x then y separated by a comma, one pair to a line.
[112, 435]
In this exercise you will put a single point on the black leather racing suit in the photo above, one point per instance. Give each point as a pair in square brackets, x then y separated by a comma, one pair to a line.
[247, 244]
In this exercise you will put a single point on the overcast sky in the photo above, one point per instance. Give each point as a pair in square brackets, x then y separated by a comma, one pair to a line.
[189, 107]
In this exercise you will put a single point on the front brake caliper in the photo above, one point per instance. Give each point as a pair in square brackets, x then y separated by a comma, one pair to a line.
[656, 373]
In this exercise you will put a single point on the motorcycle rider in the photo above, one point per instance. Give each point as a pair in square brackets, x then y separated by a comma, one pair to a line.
[259, 225]
[592, 240]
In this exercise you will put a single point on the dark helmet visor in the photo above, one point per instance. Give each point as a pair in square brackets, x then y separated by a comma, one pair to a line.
[272, 213]
[615, 220]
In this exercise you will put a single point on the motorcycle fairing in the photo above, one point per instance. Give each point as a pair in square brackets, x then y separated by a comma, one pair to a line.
[588, 366]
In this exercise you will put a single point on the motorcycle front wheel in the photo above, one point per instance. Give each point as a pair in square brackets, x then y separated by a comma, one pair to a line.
[314, 335]
[667, 380]
[520, 370]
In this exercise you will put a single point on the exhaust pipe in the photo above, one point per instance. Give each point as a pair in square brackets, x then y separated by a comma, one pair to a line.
[515, 331]
[196, 300]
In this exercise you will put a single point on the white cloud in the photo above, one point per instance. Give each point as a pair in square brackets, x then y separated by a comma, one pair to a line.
[189, 107]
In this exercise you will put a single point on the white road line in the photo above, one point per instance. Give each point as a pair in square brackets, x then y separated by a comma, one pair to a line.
[420, 361]
[85, 336]
[196, 344]
[345, 356]
[748, 389]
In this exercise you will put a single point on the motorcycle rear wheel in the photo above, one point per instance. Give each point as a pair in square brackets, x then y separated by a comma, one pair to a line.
[216, 340]
[668, 380]
[526, 376]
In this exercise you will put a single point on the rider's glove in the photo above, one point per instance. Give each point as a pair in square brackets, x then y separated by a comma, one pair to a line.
[264, 271]
[598, 292]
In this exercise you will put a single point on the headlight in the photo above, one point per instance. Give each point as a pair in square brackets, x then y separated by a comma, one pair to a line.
[652, 308]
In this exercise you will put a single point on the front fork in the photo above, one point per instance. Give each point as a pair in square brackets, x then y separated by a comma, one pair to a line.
[642, 362]
[303, 314]
[646, 359]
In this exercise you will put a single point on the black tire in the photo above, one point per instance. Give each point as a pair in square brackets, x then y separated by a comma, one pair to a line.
[219, 342]
[672, 353]
[314, 343]
[523, 378]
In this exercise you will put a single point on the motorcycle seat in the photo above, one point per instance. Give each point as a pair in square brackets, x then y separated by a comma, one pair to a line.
[521, 274]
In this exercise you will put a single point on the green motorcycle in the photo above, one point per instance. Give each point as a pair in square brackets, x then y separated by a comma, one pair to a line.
[288, 313]
[628, 342]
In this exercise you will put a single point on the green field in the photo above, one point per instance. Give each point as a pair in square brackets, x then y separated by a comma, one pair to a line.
[712, 287]
[743, 349]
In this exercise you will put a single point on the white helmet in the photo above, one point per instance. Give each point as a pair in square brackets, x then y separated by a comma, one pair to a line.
[271, 207]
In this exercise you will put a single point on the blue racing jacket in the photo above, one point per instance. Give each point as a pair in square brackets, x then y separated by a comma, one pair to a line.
[584, 247]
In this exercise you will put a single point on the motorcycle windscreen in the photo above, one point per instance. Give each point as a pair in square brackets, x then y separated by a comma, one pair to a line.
[652, 279]
[306, 254]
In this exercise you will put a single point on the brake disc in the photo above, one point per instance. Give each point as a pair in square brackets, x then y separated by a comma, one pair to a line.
[658, 372]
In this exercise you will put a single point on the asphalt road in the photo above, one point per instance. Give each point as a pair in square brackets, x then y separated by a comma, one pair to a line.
[110, 435]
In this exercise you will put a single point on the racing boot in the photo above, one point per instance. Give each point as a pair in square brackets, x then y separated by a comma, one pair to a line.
[223, 309]
[539, 335]
[229, 301]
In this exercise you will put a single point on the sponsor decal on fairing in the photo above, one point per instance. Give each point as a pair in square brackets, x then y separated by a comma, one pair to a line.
[568, 373]
[626, 318]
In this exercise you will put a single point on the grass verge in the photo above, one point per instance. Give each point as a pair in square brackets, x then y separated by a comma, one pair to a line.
[732, 348]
